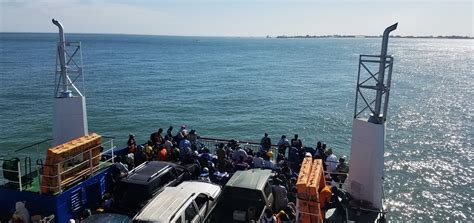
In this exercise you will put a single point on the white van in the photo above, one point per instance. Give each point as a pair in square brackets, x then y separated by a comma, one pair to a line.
[190, 201]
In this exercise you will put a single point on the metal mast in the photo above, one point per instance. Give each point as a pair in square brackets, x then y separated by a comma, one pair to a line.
[68, 63]
[381, 82]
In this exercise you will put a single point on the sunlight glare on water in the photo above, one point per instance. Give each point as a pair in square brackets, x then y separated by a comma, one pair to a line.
[242, 87]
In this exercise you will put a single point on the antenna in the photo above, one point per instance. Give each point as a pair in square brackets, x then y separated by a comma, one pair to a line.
[68, 63]
[381, 83]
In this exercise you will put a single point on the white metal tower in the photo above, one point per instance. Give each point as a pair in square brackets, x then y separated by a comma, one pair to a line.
[368, 134]
[69, 116]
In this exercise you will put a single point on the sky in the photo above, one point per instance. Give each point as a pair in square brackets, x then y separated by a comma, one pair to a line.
[240, 17]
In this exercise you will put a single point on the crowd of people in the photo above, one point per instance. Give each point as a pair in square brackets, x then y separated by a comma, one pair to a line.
[227, 157]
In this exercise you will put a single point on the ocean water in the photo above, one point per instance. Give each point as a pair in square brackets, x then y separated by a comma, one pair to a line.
[242, 87]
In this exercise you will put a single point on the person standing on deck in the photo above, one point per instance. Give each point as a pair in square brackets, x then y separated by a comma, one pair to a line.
[342, 167]
[266, 143]
[169, 132]
[295, 142]
[293, 157]
[281, 195]
[319, 150]
[331, 161]
[324, 151]
[283, 144]
[325, 196]
[221, 157]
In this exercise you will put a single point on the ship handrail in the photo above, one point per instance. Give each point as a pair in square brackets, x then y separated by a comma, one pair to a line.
[93, 169]
[227, 140]
[211, 144]
[19, 182]
[31, 145]
[20, 170]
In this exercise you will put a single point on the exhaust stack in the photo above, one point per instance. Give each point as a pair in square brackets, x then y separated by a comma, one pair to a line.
[366, 167]
[69, 115]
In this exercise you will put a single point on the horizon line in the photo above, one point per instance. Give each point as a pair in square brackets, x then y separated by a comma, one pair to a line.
[283, 36]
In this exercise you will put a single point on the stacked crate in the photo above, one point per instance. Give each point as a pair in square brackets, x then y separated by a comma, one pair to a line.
[310, 182]
[67, 162]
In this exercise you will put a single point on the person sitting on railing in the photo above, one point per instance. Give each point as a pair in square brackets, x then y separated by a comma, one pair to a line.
[156, 138]
[295, 142]
[266, 143]
[342, 167]
[131, 144]
[283, 144]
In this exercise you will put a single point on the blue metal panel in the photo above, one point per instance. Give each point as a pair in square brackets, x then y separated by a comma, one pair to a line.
[66, 205]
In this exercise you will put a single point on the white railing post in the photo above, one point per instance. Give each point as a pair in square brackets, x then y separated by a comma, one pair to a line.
[39, 178]
[90, 161]
[59, 176]
[19, 176]
[112, 147]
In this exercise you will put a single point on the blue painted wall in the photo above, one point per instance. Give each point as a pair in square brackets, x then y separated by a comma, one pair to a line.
[89, 191]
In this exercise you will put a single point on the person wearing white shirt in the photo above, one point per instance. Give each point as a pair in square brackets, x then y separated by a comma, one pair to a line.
[331, 161]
